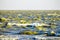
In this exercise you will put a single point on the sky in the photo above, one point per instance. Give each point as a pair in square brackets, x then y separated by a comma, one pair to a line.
[29, 4]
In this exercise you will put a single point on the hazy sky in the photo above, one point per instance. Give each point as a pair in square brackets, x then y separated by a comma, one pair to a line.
[29, 4]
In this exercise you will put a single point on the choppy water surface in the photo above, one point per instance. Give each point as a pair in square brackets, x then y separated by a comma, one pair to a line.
[51, 18]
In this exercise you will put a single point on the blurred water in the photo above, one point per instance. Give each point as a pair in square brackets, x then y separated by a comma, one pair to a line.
[18, 30]
[15, 30]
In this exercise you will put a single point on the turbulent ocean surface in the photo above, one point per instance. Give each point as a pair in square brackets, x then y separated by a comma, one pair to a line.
[48, 20]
